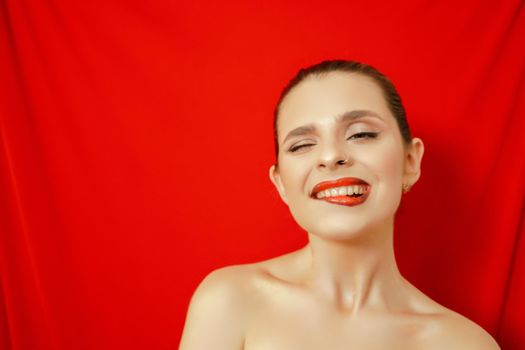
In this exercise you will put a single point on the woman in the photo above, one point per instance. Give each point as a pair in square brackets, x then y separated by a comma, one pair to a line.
[345, 156]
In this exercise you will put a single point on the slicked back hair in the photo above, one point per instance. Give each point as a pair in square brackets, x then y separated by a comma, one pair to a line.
[390, 94]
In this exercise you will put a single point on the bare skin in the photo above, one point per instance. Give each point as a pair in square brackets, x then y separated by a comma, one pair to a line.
[270, 306]
[343, 290]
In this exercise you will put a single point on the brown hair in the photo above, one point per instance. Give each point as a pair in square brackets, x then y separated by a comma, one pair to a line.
[389, 92]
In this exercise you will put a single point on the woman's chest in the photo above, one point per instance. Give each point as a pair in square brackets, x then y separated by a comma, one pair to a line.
[295, 338]
[305, 329]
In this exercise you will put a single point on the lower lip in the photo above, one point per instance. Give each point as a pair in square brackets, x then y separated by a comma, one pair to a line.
[346, 200]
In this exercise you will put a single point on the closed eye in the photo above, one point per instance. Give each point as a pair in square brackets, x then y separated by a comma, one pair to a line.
[359, 136]
[295, 148]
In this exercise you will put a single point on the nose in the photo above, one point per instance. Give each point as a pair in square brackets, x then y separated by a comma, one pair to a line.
[333, 157]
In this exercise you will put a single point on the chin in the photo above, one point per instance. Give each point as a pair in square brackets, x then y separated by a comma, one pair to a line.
[342, 226]
[340, 231]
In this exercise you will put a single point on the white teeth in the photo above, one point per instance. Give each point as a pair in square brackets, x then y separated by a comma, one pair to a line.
[341, 191]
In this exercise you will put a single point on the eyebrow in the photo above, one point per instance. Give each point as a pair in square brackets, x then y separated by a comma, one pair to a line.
[345, 117]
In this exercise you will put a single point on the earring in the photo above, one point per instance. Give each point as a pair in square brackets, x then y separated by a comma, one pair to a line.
[406, 187]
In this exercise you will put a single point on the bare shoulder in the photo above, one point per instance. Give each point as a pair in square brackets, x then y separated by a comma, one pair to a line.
[218, 310]
[455, 331]
[233, 285]
[228, 281]
[447, 329]
[218, 290]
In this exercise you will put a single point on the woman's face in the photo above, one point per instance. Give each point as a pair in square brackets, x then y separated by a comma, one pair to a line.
[331, 111]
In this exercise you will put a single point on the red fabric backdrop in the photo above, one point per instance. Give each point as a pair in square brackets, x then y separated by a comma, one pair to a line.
[136, 139]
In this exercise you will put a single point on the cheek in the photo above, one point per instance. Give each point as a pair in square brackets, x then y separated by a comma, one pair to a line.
[293, 177]
[386, 164]
[393, 167]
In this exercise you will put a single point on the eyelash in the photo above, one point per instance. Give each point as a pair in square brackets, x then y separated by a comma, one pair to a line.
[367, 135]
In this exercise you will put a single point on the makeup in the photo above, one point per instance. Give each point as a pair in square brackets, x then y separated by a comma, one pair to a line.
[347, 191]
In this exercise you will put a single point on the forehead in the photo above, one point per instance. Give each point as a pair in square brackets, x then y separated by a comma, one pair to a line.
[319, 99]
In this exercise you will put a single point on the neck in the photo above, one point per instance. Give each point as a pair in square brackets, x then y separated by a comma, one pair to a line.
[356, 274]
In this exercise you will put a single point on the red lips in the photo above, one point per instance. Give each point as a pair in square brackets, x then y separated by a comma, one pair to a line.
[345, 181]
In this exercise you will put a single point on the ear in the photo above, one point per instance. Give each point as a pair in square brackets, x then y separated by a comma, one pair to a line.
[275, 178]
[413, 157]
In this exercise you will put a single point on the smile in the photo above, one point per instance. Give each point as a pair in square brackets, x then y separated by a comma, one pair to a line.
[347, 191]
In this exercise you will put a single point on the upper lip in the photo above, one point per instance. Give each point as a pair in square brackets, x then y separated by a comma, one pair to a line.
[344, 181]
